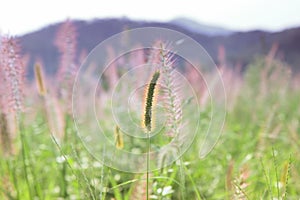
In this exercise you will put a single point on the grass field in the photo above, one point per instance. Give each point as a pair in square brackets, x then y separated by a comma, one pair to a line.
[256, 157]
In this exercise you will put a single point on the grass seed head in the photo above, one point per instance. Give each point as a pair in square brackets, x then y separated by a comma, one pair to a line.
[39, 77]
[150, 101]
[118, 138]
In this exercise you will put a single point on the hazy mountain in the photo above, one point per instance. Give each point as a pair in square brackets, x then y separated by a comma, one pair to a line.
[194, 26]
[240, 47]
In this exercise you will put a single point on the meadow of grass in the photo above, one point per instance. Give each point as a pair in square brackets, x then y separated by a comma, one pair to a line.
[256, 157]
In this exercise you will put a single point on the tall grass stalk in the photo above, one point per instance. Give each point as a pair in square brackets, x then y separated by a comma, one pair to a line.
[276, 172]
[194, 185]
[285, 177]
[148, 119]
[173, 105]
[12, 71]
[68, 164]
[24, 159]
[102, 178]
[10, 166]
[64, 170]
[267, 179]
[148, 165]
[85, 178]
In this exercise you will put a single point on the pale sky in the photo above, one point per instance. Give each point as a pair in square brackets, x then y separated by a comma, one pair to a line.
[21, 16]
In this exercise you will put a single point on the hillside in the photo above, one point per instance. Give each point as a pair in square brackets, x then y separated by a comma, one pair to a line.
[197, 27]
[241, 47]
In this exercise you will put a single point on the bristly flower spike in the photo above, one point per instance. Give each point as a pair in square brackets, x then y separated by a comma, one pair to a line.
[170, 92]
[12, 71]
[39, 77]
[119, 138]
[149, 101]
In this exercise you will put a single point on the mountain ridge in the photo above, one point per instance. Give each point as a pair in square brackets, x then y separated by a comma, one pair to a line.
[241, 47]
[201, 28]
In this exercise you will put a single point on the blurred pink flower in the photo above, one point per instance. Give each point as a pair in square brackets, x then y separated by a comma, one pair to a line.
[12, 76]
[66, 42]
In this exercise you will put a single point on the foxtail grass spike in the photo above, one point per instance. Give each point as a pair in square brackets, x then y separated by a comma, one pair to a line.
[171, 93]
[13, 75]
[39, 77]
[149, 101]
[118, 138]
[66, 42]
